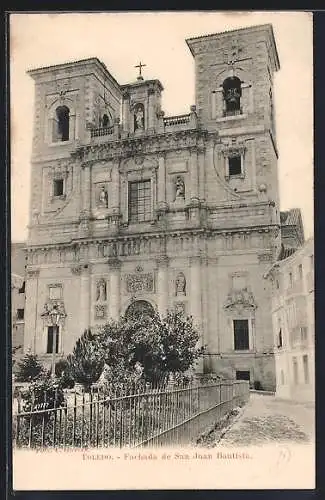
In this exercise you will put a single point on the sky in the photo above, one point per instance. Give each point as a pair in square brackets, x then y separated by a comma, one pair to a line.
[157, 39]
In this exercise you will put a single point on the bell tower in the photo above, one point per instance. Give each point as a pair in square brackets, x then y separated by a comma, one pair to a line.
[234, 97]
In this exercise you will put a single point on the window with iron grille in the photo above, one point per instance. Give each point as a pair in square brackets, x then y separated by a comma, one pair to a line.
[241, 334]
[140, 201]
[58, 187]
[234, 165]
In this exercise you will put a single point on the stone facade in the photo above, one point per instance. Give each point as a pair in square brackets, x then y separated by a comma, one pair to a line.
[200, 227]
[293, 318]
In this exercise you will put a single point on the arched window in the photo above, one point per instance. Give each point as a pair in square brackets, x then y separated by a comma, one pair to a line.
[232, 93]
[61, 124]
[105, 121]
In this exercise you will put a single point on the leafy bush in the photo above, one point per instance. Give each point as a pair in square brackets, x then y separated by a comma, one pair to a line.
[29, 368]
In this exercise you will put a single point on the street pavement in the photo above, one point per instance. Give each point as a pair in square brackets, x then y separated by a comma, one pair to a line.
[266, 419]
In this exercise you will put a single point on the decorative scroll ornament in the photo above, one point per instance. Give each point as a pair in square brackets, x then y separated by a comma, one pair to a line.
[242, 299]
[233, 149]
[140, 282]
[48, 308]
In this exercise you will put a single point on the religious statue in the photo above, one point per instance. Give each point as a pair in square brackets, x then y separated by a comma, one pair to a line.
[101, 291]
[180, 189]
[103, 198]
[139, 117]
[180, 284]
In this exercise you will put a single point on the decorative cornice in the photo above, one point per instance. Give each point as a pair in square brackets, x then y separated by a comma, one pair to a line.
[32, 273]
[146, 144]
[114, 263]
[162, 260]
[265, 257]
[76, 270]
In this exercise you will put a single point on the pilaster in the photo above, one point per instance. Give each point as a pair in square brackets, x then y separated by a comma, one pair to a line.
[115, 285]
[84, 311]
[162, 264]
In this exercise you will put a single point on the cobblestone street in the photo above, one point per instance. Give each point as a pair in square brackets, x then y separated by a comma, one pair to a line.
[266, 419]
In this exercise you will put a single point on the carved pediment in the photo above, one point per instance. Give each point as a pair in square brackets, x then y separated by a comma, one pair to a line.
[242, 299]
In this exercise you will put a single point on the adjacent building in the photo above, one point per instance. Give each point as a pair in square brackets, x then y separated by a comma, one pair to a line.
[18, 281]
[292, 279]
[134, 209]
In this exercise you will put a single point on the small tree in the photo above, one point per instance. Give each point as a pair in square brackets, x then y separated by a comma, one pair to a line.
[160, 345]
[29, 368]
[86, 362]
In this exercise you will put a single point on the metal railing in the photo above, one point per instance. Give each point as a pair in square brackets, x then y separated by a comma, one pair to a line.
[99, 132]
[170, 121]
[151, 417]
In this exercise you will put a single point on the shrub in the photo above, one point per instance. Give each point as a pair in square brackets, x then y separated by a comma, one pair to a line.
[29, 368]
[86, 362]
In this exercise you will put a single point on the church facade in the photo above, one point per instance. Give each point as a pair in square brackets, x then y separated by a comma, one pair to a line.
[132, 208]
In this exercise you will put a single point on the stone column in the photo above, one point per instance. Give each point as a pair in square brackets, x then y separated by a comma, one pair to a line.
[115, 193]
[84, 311]
[194, 181]
[162, 291]
[202, 170]
[114, 289]
[162, 182]
[85, 184]
[196, 299]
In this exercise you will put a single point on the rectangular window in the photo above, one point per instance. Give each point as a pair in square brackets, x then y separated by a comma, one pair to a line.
[50, 334]
[241, 334]
[243, 375]
[55, 292]
[290, 280]
[140, 201]
[22, 289]
[306, 368]
[20, 314]
[295, 370]
[234, 165]
[300, 272]
[58, 186]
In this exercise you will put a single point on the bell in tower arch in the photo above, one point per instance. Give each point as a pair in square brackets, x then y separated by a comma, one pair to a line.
[232, 93]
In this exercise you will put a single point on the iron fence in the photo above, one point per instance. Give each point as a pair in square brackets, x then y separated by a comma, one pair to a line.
[152, 417]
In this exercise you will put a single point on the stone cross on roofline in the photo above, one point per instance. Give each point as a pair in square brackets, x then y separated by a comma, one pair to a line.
[140, 66]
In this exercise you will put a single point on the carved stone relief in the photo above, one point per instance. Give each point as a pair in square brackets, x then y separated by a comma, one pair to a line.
[100, 311]
[140, 282]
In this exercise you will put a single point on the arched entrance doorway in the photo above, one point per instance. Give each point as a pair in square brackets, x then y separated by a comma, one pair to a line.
[139, 308]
